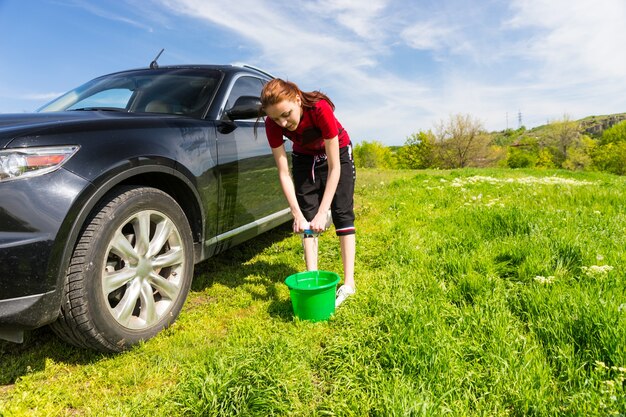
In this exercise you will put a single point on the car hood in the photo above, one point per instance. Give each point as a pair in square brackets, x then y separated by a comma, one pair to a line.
[13, 126]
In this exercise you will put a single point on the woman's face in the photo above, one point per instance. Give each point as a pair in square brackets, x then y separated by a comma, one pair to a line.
[286, 114]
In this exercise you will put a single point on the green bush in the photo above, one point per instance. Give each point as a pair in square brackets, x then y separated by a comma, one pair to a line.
[614, 134]
[611, 157]
[373, 155]
[417, 152]
[520, 158]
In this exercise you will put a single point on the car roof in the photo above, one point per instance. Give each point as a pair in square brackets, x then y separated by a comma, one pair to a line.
[227, 68]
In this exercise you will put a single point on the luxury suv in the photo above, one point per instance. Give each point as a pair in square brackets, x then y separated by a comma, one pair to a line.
[111, 193]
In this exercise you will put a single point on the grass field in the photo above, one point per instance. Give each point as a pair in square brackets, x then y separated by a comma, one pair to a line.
[480, 293]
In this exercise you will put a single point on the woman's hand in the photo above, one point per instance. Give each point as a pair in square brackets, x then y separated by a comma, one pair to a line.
[300, 224]
[319, 222]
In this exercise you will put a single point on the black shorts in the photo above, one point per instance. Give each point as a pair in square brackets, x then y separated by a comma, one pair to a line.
[309, 176]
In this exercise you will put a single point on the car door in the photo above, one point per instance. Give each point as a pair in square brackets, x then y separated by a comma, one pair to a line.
[249, 189]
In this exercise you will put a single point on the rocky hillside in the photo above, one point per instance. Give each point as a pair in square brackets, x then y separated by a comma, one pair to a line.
[595, 125]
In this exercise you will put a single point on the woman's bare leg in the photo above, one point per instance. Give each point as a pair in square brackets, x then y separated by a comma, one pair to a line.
[310, 252]
[348, 253]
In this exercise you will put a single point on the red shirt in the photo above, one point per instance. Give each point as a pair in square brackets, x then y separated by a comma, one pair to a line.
[317, 123]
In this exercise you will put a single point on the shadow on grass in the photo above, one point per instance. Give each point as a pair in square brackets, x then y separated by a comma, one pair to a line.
[228, 268]
[19, 359]
[233, 268]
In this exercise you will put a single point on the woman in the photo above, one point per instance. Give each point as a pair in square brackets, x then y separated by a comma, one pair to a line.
[323, 170]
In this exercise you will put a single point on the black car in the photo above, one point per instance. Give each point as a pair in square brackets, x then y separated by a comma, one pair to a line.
[111, 193]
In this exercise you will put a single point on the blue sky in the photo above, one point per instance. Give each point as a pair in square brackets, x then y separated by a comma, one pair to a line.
[392, 67]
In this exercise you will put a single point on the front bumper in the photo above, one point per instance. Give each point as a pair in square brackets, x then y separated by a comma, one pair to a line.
[35, 220]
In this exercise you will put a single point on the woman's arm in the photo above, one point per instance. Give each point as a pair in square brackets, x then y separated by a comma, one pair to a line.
[286, 183]
[334, 170]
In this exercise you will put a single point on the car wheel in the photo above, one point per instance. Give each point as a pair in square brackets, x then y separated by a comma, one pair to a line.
[130, 271]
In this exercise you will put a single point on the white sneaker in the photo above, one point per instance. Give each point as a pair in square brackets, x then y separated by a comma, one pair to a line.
[344, 292]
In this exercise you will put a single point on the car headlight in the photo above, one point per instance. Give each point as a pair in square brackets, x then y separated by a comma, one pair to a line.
[30, 162]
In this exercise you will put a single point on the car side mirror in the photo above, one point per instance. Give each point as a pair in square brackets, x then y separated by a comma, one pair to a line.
[246, 107]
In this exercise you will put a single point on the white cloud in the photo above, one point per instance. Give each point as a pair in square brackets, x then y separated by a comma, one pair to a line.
[105, 13]
[39, 96]
[396, 68]
[311, 51]
[362, 18]
[575, 41]
[428, 35]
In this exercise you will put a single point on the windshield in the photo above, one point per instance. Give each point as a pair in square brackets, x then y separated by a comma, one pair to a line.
[169, 91]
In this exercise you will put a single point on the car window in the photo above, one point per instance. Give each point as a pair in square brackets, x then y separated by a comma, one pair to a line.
[114, 98]
[182, 92]
[244, 86]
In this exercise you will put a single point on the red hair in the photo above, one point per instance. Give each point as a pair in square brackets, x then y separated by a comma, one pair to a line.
[278, 90]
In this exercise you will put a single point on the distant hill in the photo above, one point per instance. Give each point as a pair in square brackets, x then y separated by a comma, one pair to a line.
[591, 125]
[595, 125]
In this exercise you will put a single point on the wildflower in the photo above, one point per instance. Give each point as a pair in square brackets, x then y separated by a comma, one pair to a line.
[599, 257]
[596, 270]
[523, 180]
[543, 280]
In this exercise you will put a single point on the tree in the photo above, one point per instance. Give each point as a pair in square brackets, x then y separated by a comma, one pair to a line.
[373, 155]
[614, 134]
[611, 157]
[562, 135]
[545, 159]
[417, 152]
[520, 158]
[508, 137]
[461, 142]
[579, 157]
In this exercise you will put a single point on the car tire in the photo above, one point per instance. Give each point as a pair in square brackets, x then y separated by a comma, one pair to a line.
[130, 271]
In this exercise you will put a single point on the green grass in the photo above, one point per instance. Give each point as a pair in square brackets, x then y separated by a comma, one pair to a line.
[480, 293]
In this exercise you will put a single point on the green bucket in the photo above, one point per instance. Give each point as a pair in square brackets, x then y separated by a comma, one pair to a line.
[313, 294]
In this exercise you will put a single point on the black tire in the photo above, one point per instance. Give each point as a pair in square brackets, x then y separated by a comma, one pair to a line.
[130, 271]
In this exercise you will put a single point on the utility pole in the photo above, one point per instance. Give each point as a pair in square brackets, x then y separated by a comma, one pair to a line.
[519, 119]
